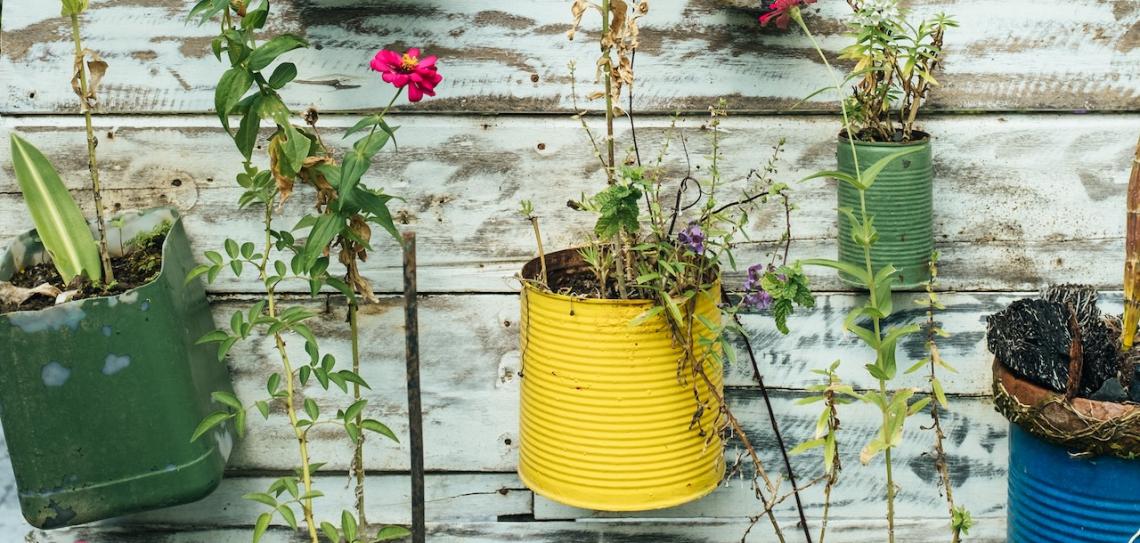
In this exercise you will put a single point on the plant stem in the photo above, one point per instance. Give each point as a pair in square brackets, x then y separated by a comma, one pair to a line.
[1132, 257]
[619, 258]
[92, 165]
[290, 406]
[358, 457]
[609, 93]
[541, 252]
[795, 13]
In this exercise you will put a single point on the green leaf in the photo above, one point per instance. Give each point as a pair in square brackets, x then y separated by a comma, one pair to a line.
[348, 525]
[845, 267]
[213, 337]
[846, 178]
[374, 425]
[267, 52]
[376, 205]
[390, 533]
[330, 531]
[866, 335]
[255, 19]
[262, 525]
[918, 406]
[353, 432]
[355, 409]
[262, 498]
[227, 399]
[646, 315]
[246, 137]
[283, 74]
[194, 273]
[209, 422]
[674, 309]
[295, 148]
[872, 173]
[939, 394]
[322, 234]
[231, 87]
[357, 162]
[291, 485]
[806, 446]
[917, 366]
[287, 514]
[311, 408]
[59, 223]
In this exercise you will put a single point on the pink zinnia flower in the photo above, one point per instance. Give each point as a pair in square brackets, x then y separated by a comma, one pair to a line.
[779, 9]
[420, 75]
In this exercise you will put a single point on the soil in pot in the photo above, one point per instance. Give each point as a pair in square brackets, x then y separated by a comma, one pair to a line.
[139, 264]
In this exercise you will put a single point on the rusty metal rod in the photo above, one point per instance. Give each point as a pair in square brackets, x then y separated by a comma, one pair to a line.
[415, 409]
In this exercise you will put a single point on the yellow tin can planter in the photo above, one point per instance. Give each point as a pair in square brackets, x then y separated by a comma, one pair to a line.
[606, 420]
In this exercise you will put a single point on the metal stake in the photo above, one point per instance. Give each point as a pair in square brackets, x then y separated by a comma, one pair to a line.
[415, 409]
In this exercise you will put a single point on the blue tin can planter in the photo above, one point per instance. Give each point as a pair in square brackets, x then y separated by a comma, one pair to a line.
[1072, 476]
[1055, 497]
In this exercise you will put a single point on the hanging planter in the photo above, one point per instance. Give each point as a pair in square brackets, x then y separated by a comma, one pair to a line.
[1055, 494]
[902, 202]
[606, 420]
[100, 396]
[1065, 375]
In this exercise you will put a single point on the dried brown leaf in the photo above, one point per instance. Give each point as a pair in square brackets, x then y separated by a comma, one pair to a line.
[14, 295]
[96, 69]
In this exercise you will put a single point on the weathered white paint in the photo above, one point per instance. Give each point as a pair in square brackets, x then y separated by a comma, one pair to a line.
[1022, 201]
[1018, 54]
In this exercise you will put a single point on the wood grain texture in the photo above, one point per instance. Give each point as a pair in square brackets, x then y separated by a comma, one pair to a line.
[1007, 55]
[470, 397]
[470, 388]
[1021, 201]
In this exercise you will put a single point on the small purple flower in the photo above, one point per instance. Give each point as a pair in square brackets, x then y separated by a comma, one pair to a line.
[758, 300]
[755, 274]
[693, 238]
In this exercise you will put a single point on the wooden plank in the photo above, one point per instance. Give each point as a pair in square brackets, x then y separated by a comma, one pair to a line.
[471, 343]
[1007, 55]
[1019, 205]
[450, 498]
[986, 530]
[471, 403]
[470, 399]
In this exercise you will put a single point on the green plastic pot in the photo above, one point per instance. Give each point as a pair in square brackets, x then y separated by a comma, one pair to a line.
[99, 397]
[902, 204]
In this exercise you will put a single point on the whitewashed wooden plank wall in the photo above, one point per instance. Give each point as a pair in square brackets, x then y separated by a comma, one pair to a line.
[1034, 128]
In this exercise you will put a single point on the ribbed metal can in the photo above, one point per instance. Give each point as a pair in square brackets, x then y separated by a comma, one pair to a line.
[1055, 497]
[606, 418]
[901, 201]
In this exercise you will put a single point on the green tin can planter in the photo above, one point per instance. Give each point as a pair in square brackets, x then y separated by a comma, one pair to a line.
[902, 204]
[99, 397]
